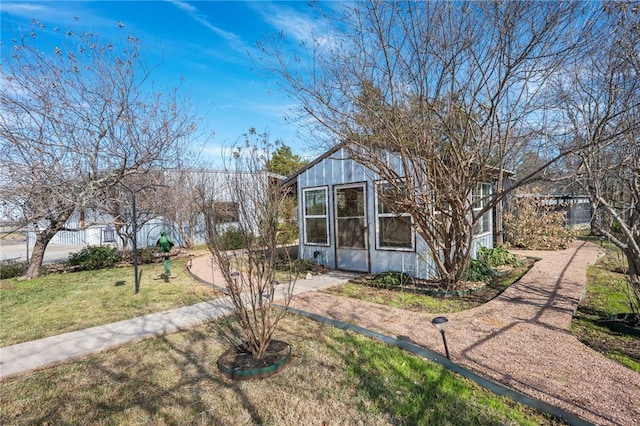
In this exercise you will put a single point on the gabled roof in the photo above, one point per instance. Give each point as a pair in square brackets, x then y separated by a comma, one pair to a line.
[290, 180]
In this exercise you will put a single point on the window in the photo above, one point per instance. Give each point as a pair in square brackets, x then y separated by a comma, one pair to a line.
[108, 235]
[480, 197]
[316, 229]
[226, 212]
[395, 230]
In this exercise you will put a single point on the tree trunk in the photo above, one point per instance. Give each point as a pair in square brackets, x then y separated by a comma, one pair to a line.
[634, 269]
[42, 241]
[37, 256]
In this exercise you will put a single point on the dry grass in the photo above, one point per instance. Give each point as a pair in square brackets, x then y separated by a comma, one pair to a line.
[335, 378]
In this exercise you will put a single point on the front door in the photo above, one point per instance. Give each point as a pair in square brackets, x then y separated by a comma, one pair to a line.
[351, 228]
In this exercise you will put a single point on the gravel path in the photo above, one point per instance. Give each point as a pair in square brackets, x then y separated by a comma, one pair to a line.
[520, 339]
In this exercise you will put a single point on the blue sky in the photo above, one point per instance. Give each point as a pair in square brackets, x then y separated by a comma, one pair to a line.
[207, 43]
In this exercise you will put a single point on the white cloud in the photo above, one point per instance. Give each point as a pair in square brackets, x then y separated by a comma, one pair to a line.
[305, 28]
[25, 9]
[234, 41]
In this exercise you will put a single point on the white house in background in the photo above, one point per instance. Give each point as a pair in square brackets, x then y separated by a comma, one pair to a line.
[343, 224]
[91, 227]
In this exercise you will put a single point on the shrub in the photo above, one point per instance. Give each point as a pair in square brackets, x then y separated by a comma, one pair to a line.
[392, 279]
[95, 257]
[498, 256]
[287, 232]
[478, 270]
[147, 255]
[232, 239]
[12, 268]
[532, 224]
[300, 266]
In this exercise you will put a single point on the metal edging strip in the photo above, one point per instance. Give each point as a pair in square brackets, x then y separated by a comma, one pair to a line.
[497, 388]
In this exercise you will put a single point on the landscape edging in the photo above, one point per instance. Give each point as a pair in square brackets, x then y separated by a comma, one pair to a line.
[497, 388]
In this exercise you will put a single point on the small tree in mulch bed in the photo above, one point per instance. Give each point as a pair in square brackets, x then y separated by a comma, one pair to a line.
[249, 272]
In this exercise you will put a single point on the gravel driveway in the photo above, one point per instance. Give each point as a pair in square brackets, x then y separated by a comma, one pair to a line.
[520, 339]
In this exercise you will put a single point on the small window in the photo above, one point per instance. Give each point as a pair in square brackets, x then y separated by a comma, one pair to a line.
[108, 235]
[316, 229]
[395, 230]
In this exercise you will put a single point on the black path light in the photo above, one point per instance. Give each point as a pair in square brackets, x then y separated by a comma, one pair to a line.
[440, 323]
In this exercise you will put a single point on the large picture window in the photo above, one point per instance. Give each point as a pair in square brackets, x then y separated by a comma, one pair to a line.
[316, 229]
[480, 198]
[395, 229]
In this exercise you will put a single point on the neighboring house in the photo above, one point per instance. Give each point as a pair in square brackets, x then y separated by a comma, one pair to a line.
[97, 229]
[90, 227]
[343, 224]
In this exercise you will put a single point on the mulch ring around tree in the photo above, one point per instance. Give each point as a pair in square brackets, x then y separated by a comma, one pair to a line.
[240, 364]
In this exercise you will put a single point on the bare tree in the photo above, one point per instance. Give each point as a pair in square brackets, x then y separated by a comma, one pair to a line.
[250, 273]
[149, 193]
[599, 100]
[76, 119]
[185, 188]
[436, 99]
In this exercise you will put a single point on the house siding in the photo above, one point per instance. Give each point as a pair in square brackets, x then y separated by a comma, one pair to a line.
[338, 170]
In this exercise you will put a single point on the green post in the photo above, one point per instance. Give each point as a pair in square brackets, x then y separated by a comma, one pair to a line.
[167, 266]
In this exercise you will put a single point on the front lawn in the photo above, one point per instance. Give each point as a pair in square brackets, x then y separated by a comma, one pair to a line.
[59, 303]
[335, 377]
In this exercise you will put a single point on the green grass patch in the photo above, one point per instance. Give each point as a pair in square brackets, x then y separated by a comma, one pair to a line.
[59, 303]
[335, 377]
[606, 295]
[416, 392]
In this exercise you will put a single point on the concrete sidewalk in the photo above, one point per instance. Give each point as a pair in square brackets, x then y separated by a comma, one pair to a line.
[52, 350]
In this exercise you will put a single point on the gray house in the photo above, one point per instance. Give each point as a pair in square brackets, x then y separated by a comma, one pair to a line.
[344, 225]
[95, 227]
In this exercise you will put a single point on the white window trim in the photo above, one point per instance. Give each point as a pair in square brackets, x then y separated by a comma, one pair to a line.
[378, 215]
[305, 216]
[484, 198]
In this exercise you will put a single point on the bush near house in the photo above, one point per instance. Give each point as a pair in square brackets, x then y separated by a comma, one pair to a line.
[232, 239]
[498, 256]
[287, 232]
[95, 257]
[532, 224]
[392, 279]
[12, 268]
[478, 270]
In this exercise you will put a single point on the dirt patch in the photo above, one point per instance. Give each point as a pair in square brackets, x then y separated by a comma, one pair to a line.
[7, 286]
